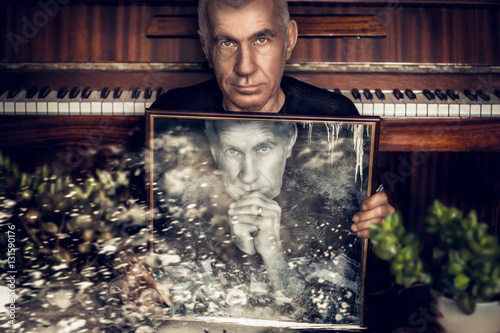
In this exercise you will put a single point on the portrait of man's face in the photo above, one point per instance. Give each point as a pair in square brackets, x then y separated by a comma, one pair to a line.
[247, 53]
[251, 156]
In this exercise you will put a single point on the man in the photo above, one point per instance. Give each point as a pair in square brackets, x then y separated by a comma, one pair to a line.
[247, 43]
[268, 231]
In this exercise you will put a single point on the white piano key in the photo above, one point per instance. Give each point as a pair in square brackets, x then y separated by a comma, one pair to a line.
[107, 105]
[464, 105]
[389, 105]
[128, 103]
[475, 109]
[432, 109]
[118, 107]
[422, 103]
[94, 103]
[443, 108]
[10, 104]
[42, 107]
[148, 104]
[411, 107]
[398, 106]
[3, 98]
[495, 106]
[367, 105]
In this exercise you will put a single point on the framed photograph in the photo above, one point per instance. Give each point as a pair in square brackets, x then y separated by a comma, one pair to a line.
[251, 216]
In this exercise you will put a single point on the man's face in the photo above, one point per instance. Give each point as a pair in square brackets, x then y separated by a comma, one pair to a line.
[248, 52]
[252, 156]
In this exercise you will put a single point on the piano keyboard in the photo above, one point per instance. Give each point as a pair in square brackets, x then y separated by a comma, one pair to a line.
[424, 104]
[384, 103]
[84, 102]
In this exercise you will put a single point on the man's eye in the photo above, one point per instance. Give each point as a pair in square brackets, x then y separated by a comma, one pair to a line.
[232, 152]
[227, 43]
[264, 150]
[262, 40]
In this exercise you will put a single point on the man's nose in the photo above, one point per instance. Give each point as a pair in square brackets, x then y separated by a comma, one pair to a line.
[245, 64]
[249, 172]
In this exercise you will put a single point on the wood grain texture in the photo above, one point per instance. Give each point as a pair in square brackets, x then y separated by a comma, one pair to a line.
[309, 26]
[478, 134]
[116, 31]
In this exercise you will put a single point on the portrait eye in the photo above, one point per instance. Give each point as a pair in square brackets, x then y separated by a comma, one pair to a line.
[264, 149]
[226, 43]
[262, 40]
[232, 152]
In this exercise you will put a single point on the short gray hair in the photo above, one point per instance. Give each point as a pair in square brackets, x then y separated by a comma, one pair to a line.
[281, 8]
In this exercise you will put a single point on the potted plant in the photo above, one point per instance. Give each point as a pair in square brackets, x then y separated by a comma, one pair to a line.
[457, 259]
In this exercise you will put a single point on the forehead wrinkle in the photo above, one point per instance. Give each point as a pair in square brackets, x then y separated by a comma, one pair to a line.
[261, 33]
[232, 138]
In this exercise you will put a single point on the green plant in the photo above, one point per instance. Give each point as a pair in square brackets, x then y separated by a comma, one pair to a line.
[457, 258]
[61, 223]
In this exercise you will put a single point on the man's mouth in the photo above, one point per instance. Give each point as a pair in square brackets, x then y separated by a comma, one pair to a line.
[247, 89]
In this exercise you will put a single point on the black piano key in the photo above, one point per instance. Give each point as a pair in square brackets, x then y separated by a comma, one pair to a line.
[62, 92]
[31, 92]
[411, 95]
[355, 93]
[148, 93]
[136, 92]
[470, 95]
[368, 94]
[337, 91]
[74, 93]
[430, 96]
[484, 96]
[441, 95]
[497, 93]
[105, 93]
[86, 92]
[380, 95]
[398, 94]
[13, 92]
[159, 92]
[117, 93]
[44, 92]
[452, 94]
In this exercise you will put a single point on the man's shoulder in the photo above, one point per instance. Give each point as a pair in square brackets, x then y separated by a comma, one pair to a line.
[304, 98]
[204, 96]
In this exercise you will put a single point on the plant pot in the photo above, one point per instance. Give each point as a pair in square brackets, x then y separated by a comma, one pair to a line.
[485, 319]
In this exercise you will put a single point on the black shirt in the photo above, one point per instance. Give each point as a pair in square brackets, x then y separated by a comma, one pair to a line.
[300, 98]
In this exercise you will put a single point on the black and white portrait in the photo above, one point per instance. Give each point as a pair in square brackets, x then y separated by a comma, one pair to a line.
[251, 217]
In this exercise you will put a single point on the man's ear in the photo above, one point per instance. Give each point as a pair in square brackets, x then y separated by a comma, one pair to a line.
[293, 33]
[205, 49]
[292, 137]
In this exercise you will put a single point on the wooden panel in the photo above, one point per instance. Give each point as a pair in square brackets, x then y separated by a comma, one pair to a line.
[309, 26]
[116, 31]
[395, 135]
[478, 134]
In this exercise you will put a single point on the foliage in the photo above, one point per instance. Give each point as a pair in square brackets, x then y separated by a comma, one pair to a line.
[458, 258]
[61, 223]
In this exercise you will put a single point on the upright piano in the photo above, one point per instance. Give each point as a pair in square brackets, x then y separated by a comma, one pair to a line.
[429, 69]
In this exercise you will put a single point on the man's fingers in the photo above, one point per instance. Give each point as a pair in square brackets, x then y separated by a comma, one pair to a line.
[365, 225]
[378, 199]
[244, 235]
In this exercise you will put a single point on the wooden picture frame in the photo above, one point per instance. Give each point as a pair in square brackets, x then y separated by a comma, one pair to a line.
[215, 186]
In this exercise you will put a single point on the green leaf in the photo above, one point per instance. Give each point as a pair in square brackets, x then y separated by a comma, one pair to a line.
[466, 303]
[461, 282]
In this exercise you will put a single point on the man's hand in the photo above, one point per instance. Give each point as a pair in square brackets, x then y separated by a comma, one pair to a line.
[255, 225]
[373, 210]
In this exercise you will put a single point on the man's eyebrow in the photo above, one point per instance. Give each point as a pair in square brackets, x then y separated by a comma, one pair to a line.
[264, 32]
[261, 33]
